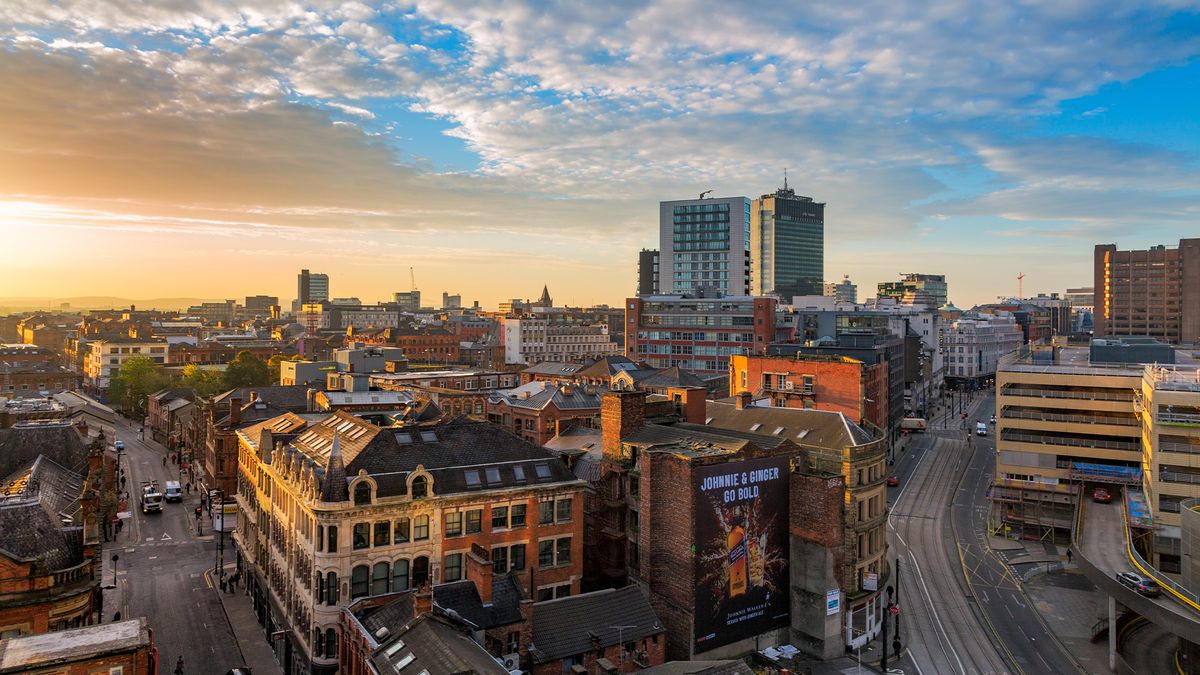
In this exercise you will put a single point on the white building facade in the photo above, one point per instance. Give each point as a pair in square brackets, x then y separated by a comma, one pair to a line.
[105, 358]
[974, 345]
[532, 340]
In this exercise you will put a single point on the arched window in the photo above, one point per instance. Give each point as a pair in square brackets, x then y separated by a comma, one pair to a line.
[320, 588]
[362, 493]
[331, 588]
[319, 642]
[379, 579]
[420, 487]
[331, 644]
[359, 582]
[420, 571]
[400, 576]
[332, 532]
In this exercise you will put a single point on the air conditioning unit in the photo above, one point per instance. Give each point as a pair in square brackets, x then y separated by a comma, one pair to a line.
[511, 662]
[788, 386]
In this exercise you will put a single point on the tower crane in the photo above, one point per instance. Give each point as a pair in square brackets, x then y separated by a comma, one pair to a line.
[706, 192]
[1020, 285]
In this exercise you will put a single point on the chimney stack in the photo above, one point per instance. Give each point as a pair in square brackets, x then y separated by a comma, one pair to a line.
[235, 411]
[479, 572]
[621, 413]
[744, 400]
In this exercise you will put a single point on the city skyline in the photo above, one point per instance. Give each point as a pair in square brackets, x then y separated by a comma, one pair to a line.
[229, 146]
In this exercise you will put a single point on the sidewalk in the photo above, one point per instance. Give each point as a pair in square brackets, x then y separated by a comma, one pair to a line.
[252, 642]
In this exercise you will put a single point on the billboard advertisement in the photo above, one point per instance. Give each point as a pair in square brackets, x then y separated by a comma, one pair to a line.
[741, 550]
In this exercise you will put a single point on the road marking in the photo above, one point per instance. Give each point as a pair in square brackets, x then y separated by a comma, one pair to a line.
[149, 538]
[153, 557]
[933, 610]
[165, 537]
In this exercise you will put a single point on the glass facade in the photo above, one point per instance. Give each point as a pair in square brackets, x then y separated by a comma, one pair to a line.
[705, 243]
[788, 242]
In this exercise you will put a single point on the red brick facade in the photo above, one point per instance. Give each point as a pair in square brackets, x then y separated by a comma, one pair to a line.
[837, 384]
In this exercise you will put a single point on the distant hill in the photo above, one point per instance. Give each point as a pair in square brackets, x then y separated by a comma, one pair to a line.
[99, 302]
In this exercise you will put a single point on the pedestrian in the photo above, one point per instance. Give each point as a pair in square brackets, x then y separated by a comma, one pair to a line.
[224, 584]
[116, 616]
[198, 512]
[164, 460]
[1068, 556]
[179, 666]
[188, 488]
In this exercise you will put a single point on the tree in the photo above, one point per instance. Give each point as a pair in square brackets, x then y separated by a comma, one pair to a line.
[247, 370]
[204, 383]
[138, 378]
[273, 366]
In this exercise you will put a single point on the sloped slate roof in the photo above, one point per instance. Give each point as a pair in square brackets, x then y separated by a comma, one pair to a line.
[815, 428]
[293, 398]
[436, 647]
[392, 615]
[463, 598]
[28, 531]
[564, 627]
[554, 368]
[21, 444]
[577, 399]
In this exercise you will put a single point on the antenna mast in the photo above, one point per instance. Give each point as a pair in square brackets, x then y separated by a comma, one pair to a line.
[1020, 285]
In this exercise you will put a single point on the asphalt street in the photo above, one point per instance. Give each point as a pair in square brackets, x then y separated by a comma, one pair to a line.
[160, 571]
[962, 609]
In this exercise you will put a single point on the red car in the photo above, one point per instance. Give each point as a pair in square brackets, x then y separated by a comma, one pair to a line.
[892, 481]
[1100, 495]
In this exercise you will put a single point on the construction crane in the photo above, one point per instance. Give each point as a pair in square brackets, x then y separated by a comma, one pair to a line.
[1020, 285]
[413, 278]
[706, 192]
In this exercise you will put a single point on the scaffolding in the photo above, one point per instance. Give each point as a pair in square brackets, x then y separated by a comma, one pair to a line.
[1021, 509]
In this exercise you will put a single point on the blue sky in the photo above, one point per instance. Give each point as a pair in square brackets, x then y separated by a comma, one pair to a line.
[497, 146]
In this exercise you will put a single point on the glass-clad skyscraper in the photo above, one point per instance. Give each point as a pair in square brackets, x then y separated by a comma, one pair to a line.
[787, 244]
[704, 243]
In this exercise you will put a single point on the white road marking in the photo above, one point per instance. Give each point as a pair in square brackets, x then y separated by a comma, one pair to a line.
[165, 537]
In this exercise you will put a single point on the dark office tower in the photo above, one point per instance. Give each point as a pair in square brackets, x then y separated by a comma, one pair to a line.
[310, 287]
[1153, 293]
[647, 272]
[787, 244]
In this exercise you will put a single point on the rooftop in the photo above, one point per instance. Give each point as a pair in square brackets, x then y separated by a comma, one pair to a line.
[18, 655]
[571, 625]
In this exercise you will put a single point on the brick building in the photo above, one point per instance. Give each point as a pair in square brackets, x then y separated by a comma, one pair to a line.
[607, 631]
[19, 380]
[334, 509]
[430, 345]
[216, 445]
[834, 383]
[652, 519]
[23, 354]
[537, 411]
[697, 334]
[49, 576]
[1153, 293]
[120, 648]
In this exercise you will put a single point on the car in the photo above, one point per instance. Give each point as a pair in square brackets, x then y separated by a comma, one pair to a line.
[980, 429]
[1143, 585]
[893, 481]
[1101, 496]
[119, 445]
[174, 493]
[993, 419]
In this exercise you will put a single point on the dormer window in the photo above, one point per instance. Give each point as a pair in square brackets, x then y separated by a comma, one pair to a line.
[420, 487]
[362, 494]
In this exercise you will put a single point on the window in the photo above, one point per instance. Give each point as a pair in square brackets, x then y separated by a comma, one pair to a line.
[379, 579]
[453, 567]
[331, 588]
[474, 521]
[400, 531]
[383, 533]
[516, 516]
[332, 531]
[546, 553]
[499, 560]
[362, 494]
[420, 487]
[331, 644]
[362, 535]
[358, 582]
[400, 576]
[454, 524]
[499, 517]
[562, 553]
[420, 571]
[492, 474]
[564, 510]
[421, 529]
[320, 538]
[546, 512]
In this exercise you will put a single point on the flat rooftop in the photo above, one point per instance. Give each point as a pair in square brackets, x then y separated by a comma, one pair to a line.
[1075, 360]
[33, 651]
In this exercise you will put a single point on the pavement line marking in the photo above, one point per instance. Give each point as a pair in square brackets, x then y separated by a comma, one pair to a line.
[165, 537]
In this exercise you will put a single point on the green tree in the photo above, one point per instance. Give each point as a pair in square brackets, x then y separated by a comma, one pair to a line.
[205, 383]
[247, 370]
[138, 378]
[273, 366]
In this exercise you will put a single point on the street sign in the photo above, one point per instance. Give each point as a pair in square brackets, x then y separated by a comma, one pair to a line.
[895, 610]
[870, 581]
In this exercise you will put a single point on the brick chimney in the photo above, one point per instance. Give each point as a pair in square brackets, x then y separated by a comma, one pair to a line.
[479, 572]
[743, 400]
[235, 411]
[423, 600]
[621, 413]
[690, 401]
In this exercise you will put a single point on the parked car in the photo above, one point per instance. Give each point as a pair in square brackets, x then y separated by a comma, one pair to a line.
[1139, 583]
[980, 429]
[893, 481]
[119, 445]
[1101, 496]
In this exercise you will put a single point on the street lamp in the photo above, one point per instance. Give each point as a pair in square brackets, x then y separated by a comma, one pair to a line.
[220, 566]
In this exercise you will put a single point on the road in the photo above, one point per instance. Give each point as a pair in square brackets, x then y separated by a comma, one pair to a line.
[160, 571]
[1024, 638]
[963, 608]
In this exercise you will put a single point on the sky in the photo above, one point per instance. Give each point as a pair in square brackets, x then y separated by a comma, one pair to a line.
[213, 148]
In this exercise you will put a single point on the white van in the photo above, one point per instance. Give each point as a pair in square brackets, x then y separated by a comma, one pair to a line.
[980, 429]
[174, 493]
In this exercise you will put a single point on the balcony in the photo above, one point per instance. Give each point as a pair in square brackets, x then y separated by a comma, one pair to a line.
[1068, 441]
[1010, 414]
[1081, 395]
